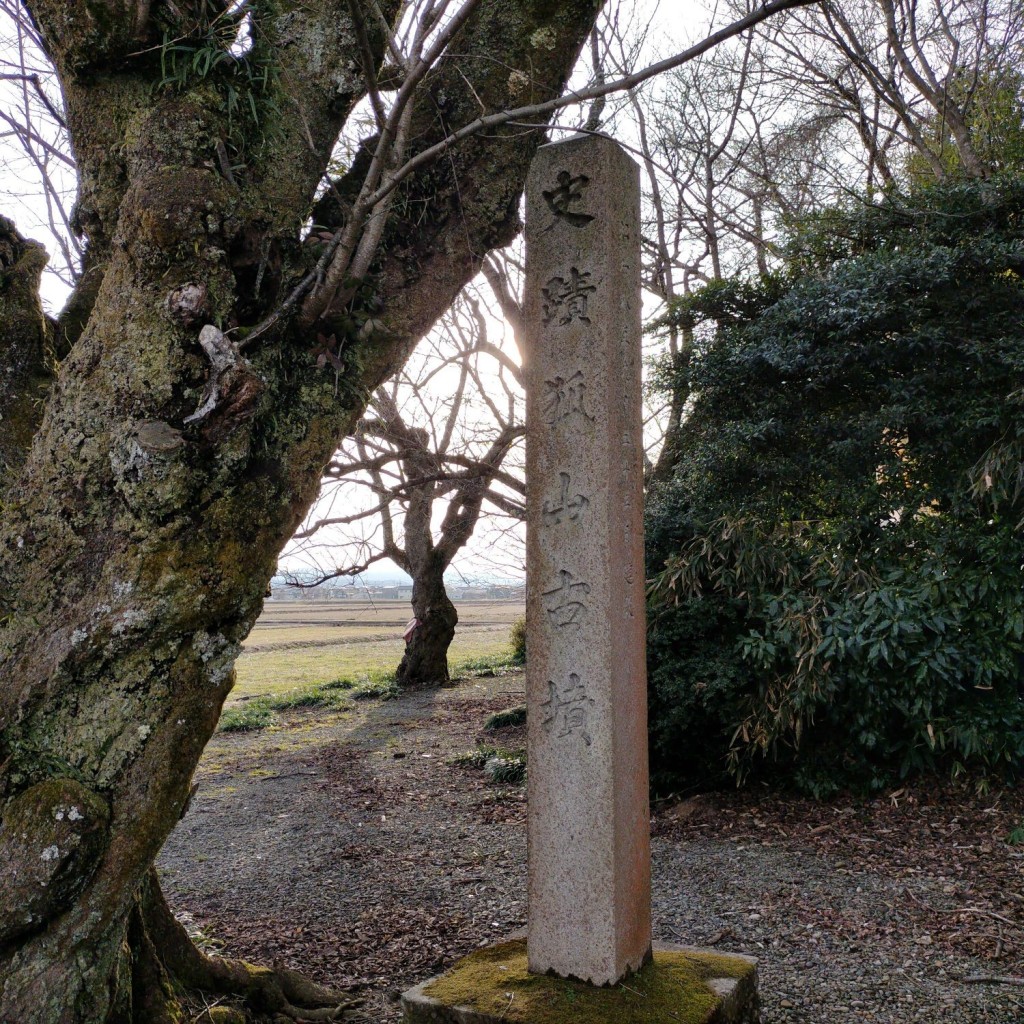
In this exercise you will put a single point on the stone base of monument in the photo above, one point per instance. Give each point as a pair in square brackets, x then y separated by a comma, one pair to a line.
[681, 984]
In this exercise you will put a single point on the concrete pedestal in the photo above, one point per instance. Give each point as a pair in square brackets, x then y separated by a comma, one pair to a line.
[682, 985]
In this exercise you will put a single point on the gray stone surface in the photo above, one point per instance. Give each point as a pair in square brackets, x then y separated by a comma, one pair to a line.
[589, 853]
[737, 999]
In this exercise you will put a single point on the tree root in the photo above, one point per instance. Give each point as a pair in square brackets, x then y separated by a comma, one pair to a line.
[167, 962]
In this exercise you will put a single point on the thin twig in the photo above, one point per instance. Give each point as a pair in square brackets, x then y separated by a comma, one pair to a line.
[965, 910]
[54, 112]
[993, 979]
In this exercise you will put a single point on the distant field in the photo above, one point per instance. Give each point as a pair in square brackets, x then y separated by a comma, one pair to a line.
[329, 614]
[298, 643]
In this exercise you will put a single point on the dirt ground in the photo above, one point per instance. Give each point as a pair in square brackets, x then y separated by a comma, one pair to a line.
[350, 846]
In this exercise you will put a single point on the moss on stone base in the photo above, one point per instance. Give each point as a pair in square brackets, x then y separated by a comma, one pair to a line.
[671, 987]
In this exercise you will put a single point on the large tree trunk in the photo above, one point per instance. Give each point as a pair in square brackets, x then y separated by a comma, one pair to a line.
[425, 662]
[169, 469]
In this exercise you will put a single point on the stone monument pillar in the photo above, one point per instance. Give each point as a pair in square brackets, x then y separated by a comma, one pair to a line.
[588, 817]
[589, 915]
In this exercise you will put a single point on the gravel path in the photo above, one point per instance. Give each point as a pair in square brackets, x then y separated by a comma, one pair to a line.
[782, 905]
[349, 846]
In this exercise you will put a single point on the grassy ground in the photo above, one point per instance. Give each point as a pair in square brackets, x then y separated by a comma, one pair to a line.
[305, 644]
[251, 712]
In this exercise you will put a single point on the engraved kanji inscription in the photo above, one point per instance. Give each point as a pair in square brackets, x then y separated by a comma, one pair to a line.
[568, 192]
[565, 397]
[565, 298]
[567, 709]
[564, 604]
[565, 507]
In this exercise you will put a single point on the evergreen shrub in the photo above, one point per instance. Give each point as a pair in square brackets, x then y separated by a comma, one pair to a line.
[837, 558]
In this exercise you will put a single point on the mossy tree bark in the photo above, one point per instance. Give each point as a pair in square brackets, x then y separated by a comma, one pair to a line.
[168, 469]
[25, 344]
